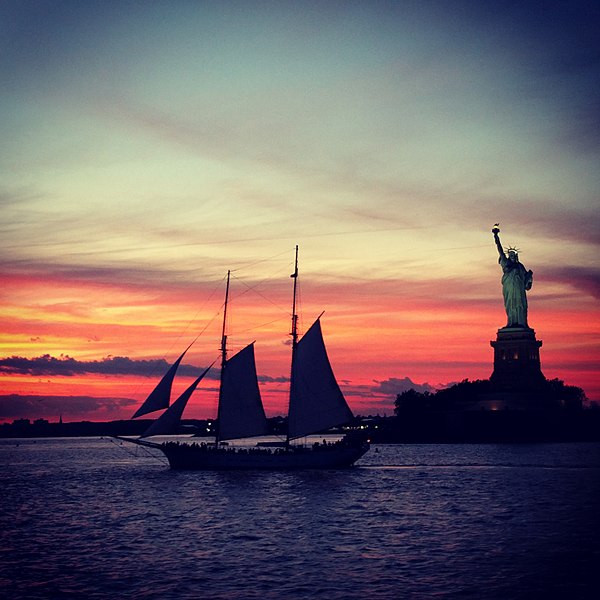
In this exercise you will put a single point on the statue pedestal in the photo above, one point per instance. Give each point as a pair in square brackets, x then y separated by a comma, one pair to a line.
[516, 360]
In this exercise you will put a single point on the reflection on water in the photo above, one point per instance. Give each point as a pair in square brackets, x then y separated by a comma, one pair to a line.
[88, 518]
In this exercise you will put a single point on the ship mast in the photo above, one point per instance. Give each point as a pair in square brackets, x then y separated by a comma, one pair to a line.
[294, 333]
[223, 358]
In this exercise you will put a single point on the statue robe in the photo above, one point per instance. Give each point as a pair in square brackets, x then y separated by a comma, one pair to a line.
[515, 281]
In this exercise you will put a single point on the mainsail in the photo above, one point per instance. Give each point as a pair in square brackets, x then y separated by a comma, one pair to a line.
[316, 401]
[241, 413]
[160, 397]
[168, 421]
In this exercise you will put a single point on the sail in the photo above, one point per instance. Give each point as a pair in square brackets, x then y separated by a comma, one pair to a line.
[316, 401]
[167, 422]
[160, 396]
[241, 413]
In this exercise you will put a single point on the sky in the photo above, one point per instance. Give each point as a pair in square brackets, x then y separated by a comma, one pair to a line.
[150, 147]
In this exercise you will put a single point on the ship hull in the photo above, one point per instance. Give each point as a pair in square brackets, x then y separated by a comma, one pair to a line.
[195, 458]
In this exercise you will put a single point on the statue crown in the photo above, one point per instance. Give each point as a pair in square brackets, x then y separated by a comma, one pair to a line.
[512, 249]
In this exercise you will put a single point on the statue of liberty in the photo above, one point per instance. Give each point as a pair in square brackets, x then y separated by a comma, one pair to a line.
[516, 280]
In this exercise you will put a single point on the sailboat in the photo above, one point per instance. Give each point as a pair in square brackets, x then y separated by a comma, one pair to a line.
[316, 404]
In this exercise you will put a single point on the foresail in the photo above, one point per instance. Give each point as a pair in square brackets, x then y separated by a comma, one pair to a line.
[160, 397]
[316, 401]
[241, 413]
[167, 422]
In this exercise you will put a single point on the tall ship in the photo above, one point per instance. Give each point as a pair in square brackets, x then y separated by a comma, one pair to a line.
[316, 404]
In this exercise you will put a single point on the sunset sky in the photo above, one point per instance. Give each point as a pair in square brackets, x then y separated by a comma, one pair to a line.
[148, 147]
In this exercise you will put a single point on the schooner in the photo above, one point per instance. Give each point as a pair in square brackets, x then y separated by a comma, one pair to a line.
[316, 404]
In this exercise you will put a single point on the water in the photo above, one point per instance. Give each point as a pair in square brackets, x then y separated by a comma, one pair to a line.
[85, 518]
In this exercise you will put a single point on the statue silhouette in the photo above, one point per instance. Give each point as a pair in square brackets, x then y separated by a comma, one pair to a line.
[516, 280]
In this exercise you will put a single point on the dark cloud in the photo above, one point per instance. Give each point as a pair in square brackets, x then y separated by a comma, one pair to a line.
[583, 279]
[579, 225]
[269, 379]
[394, 386]
[32, 407]
[73, 268]
[66, 366]
[549, 218]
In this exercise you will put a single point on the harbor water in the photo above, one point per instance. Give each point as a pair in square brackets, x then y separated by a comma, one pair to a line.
[89, 518]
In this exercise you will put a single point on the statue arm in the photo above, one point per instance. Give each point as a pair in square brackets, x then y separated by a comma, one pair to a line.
[499, 245]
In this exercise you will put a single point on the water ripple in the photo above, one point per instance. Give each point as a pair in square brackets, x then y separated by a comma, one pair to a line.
[79, 518]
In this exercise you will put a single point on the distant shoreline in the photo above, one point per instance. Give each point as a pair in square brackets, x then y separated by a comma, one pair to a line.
[433, 427]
